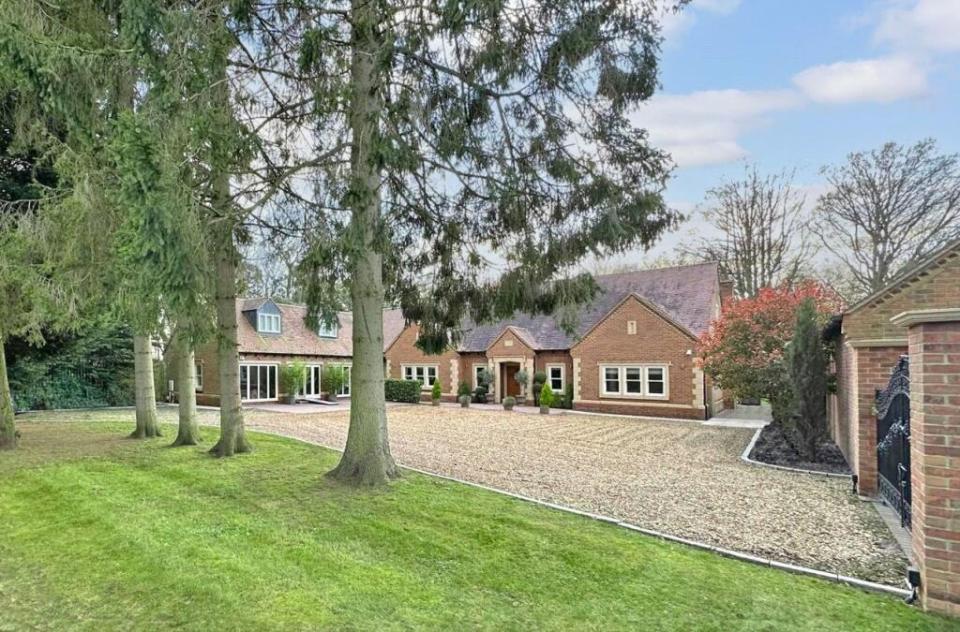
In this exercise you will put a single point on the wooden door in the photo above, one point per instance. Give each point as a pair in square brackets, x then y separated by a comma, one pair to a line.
[510, 386]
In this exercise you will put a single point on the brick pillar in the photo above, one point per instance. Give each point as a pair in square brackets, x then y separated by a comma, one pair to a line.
[934, 339]
[873, 367]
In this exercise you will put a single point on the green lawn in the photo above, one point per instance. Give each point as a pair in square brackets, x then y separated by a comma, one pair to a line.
[99, 532]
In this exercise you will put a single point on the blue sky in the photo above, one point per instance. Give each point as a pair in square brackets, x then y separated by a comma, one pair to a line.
[798, 84]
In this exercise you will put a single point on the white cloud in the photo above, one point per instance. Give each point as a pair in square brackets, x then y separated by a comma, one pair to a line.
[881, 80]
[923, 25]
[675, 23]
[702, 128]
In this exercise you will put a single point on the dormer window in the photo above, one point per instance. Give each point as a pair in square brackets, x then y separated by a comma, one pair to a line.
[328, 330]
[268, 323]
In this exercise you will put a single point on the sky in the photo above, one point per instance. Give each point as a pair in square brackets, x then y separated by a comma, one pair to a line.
[798, 84]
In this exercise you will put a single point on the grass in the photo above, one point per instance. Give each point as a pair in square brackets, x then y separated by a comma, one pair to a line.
[102, 533]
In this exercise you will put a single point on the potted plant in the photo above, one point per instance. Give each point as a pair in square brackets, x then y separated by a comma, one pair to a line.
[292, 377]
[522, 377]
[463, 395]
[546, 399]
[436, 393]
[539, 379]
[331, 381]
[508, 402]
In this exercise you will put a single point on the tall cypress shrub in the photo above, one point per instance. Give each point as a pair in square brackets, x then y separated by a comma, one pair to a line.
[807, 365]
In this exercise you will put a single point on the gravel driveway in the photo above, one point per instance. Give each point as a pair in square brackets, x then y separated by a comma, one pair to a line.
[680, 478]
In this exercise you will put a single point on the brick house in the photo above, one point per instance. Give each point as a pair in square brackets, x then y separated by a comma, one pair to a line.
[633, 350]
[917, 315]
[869, 342]
[271, 334]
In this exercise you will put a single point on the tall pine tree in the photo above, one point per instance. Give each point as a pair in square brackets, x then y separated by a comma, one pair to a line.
[489, 147]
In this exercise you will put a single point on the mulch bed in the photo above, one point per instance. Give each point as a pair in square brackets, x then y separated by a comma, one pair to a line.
[774, 447]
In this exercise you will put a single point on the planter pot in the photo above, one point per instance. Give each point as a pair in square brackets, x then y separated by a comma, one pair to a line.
[508, 406]
[436, 402]
[330, 397]
[290, 400]
[544, 410]
[464, 401]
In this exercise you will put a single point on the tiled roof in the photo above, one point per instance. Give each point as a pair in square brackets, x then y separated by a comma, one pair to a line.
[687, 294]
[296, 338]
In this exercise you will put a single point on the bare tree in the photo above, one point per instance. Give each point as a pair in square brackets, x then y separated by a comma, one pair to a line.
[889, 208]
[762, 230]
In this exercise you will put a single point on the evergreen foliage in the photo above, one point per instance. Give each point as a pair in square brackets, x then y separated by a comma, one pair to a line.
[407, 391]
[292, 377]
[437, 391]
[807, 364]
[546, 396]
[89, 368]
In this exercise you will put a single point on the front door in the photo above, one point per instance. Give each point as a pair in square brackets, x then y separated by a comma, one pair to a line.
[510, 385]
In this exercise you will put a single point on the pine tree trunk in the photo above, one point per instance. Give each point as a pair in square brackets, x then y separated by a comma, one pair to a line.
[187, 432]
[366, 458]
[232, 435]
[144, 389]
[8, 427]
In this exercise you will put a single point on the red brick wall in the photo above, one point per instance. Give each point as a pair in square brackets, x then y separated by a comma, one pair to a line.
[844, 407]
[874, 366]
[937, 287]
[555, 357]
[935, 461]
[404, 351]
[656, 341]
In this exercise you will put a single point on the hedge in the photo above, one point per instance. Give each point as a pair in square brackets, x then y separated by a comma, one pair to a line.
[407, 391]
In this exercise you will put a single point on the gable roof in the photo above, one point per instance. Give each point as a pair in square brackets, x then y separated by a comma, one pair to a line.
[948, 251]
[297, 339]
[651, 306]
[685, 295]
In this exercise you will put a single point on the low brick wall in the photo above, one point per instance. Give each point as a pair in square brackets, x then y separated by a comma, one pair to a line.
[641, 410]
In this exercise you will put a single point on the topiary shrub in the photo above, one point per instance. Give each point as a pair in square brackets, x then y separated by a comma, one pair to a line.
[546, 398]
[480, 394]
[463, 389]
[436, 393]
[539, 379]
[405, 391]
[568, 396]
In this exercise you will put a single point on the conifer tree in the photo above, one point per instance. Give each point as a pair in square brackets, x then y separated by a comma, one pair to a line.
[807, 365]
[488, 148]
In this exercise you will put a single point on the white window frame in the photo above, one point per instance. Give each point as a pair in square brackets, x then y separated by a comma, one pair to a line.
[328, 332]
[477, 367]
[427, 383]
[563, 375]
[275, 375]
[268, 323]
[346, 387]
[644, 381]
[314, 377]
[198, 378]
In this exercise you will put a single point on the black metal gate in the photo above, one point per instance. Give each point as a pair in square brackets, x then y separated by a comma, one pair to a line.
[893, 441]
